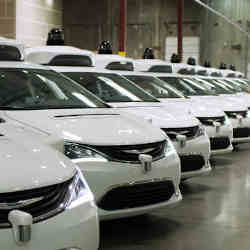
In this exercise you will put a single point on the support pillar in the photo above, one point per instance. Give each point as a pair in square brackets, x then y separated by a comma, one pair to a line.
[123, 28]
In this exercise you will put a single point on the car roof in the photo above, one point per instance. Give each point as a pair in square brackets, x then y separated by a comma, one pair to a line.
[44, 54]
[80, 69]
[21, 65]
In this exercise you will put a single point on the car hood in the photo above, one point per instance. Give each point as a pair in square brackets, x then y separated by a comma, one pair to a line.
[159, 115]
[31, 164]
[191, 107]
[242, 97]
[227, 104]
[90, 126]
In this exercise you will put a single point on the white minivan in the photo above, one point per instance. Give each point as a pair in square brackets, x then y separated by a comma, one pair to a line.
[214, 119]
[127, 162]
[185, 131]
[43, 195]
[236, 110]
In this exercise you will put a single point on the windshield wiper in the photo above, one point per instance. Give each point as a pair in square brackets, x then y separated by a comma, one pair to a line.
[13, 108]
[49, 107]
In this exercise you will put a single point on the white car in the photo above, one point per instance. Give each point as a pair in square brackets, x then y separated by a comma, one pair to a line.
[236, 110]
[215, 121]
[126, 162]
[183, 129]
[120, 93]
[232, 92]
[43, 195]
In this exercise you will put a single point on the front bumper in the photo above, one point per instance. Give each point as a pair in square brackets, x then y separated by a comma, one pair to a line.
[225, 131]
[199, 146]
[241, 137]
[77, 227]
[110, 215]
[104, 177]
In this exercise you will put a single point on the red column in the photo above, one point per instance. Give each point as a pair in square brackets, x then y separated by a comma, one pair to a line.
[180, 12]
[123, 28]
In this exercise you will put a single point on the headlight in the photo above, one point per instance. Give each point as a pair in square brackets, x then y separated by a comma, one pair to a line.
[200, 131]
[248, 114]
[227, 120]
[79, 191]
[169, 147]
[80, 153]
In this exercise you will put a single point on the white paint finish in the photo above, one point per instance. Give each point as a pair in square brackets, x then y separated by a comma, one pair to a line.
[40, 166]
[105, 127]
[34, 164]
[44, 54]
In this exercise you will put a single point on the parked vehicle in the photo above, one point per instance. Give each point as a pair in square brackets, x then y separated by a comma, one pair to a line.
[127, 162]
[42, 195]
[214, 120]
[236, 110]
[188, 136]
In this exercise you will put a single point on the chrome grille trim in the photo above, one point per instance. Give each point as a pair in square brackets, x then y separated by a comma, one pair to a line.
[60, 208]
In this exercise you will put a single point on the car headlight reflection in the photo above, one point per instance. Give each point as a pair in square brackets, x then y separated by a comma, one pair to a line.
[79, 191]
[80, 153]
[201, 131]
[169, 148]
[227, 120]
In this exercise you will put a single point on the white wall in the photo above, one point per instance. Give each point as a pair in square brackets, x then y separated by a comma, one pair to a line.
[34, 19]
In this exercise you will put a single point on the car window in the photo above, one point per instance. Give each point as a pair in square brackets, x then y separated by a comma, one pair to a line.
[154, 86]
[71, 60]
[111, 87]
[42, 89]
[219, 87]
[9, 53]
[161, 69]
[122, 66]
[186, 86]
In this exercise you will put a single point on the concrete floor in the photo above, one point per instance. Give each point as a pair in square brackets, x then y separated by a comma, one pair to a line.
[214, 214]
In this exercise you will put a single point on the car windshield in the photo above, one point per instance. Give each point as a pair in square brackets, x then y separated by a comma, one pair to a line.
[111, 87]
[243, 81]
[233, 85]
[186, 86]
[154, 86]
[42, 89]
[219, 87]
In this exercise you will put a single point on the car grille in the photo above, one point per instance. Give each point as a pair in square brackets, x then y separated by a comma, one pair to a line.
[189, 132]
[138, 195]
[241, 132]
[219, 143]
[208, 121]
[191, 162]
[130, 153]
[233, 114]
[52, 199]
